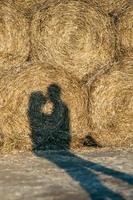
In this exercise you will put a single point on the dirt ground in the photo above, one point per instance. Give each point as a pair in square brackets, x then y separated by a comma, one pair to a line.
[60, 175]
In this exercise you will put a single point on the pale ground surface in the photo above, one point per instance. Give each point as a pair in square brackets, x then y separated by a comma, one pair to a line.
[90, 174]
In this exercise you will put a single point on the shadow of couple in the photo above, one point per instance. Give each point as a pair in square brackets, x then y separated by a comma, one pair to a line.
[49, 130]
[52, 131]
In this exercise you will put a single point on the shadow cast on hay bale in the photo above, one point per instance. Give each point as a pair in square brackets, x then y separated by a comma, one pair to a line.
[51, 130]
[45, 136]
[20, 85]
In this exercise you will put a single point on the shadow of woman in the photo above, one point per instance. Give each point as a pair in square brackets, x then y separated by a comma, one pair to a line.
[52, 131]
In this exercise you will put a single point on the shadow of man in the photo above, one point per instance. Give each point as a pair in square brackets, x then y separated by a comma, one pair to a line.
[52, 131]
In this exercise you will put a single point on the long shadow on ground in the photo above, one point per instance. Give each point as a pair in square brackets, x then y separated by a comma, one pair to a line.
[44, 135]
[84, 172]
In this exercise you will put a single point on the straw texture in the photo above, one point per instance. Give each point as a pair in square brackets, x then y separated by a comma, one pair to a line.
[22, 92]
[27, 7]
[14, 37]
[112, 6]
[111, 106]
[125, 32]
[74, 35]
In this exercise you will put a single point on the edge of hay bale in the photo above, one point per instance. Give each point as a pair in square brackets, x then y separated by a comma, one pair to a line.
[110, 105]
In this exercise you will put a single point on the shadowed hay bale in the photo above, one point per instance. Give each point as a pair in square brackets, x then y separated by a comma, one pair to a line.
[14, 37]
[111, 106]
[125, 31]
[113, 6]
[49, 120]
[72, 34]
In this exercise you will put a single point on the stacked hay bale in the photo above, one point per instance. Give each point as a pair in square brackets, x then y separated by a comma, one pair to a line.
[23, 92]
[111, 91]
[111, 106]
[45, 105]
[74, 35]
[125, 32]
[14, 37]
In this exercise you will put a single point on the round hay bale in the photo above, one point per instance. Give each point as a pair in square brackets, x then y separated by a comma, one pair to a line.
[113, 6]
[14, 37]
[111, 106]
[73, 35]
[44, 105]
[125, 32]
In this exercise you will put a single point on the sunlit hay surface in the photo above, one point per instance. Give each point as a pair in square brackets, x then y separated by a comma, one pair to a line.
[113, 6]
[125, 31]
[27, 7]
[18, 91]
[111, 106]
[74, 35]
[14, 37]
